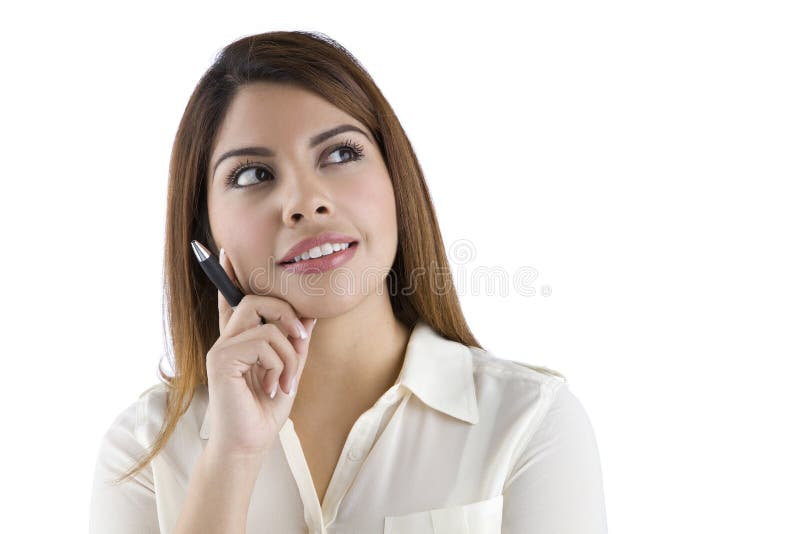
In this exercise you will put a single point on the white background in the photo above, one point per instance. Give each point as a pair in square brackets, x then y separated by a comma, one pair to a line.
[641, 156]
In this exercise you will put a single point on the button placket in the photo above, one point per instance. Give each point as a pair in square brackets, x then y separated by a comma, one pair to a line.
[343, 473]
[358, 449]
[356, 452]
[362, 437]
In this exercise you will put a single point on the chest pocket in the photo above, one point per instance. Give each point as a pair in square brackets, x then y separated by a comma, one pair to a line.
[482, 517]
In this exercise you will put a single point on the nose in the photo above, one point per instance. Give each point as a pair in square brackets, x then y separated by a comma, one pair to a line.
[306, 200]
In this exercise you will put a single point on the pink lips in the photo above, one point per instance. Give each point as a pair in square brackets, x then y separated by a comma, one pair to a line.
[323, 263]
[315, 241]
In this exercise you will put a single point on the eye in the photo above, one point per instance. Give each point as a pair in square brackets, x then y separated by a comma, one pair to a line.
[356, 151]
[254, 173]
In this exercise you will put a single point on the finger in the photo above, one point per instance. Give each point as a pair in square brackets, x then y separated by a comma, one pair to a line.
[237, 359]
[225, 310]
[282, 346]
[258, 381]
[271, 383]
[291, 359]
[285, 316]
[253, 308]
[258, 372]
[266, 383]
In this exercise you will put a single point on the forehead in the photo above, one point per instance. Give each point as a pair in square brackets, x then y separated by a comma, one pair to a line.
[272, 113]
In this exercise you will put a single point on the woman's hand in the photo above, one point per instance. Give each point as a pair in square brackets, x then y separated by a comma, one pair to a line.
[246, 363]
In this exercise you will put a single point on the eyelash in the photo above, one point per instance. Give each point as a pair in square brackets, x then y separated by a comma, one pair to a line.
[230, 181]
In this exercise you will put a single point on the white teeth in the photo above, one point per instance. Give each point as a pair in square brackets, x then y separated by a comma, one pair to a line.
[322, 250]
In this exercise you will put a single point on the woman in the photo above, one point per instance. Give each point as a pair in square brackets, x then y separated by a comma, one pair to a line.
[364, 404]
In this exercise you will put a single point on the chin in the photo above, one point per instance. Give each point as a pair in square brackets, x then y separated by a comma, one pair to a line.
[323, 306]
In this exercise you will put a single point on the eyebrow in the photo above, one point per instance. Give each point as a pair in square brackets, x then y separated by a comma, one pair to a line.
[264, 151]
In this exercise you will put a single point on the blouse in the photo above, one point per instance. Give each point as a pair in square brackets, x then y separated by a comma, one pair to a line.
[463, 442]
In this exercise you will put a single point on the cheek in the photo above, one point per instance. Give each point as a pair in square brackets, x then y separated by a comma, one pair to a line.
[224, 222]
[249, 240]
[373, 205]
[237, 228]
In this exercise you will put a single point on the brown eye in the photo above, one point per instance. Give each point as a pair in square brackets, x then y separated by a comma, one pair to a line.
[252, 174]
[356, 151]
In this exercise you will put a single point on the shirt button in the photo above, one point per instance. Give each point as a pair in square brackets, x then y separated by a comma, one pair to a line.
[354, 454]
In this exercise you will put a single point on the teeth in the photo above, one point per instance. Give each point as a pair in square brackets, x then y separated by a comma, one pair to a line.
[322, 250]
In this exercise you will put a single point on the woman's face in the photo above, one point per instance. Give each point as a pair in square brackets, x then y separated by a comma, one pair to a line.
[300, 191]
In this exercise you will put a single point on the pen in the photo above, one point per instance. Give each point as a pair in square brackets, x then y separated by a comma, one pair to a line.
[217, 274]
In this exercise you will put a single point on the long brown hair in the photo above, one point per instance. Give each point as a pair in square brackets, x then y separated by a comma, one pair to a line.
[315, 62]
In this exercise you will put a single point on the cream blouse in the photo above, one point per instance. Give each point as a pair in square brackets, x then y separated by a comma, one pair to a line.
[463, 442]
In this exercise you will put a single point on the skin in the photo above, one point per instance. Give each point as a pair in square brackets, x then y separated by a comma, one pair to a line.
[357, 347]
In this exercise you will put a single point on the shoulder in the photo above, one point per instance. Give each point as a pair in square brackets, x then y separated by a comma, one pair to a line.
[553, 477]
[144, 417]
[135, 430]
[516, 378]
[490, 362]
[135, 418]
[540, 398]
[543, 409]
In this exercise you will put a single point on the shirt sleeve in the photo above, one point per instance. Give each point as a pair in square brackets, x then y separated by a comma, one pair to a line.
[556, 485]
[130, 506]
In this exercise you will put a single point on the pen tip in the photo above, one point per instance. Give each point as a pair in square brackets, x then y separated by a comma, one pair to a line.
[200, 251]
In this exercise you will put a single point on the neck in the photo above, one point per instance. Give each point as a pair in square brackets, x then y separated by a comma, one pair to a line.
[353, 357]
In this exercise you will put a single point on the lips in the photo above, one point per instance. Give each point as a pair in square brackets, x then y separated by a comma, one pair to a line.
[315, 241]
[323, 263]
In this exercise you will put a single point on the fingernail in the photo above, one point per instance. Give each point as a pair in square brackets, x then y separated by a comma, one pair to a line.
[274, 390]
[221, 255]
[294, 387]
[301, 331]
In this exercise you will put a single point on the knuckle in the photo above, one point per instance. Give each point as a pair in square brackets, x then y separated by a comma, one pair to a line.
[271, 329]
[288, 312]
[283, 306]
[266, 349]
[281, 309]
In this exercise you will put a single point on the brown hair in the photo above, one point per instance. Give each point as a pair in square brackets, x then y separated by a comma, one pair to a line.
[315, 62]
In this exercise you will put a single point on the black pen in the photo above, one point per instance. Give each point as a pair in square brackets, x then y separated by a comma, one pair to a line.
[217, 274]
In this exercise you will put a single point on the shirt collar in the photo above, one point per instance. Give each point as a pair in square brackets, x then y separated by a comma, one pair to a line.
[439, 372]
[435, 369]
